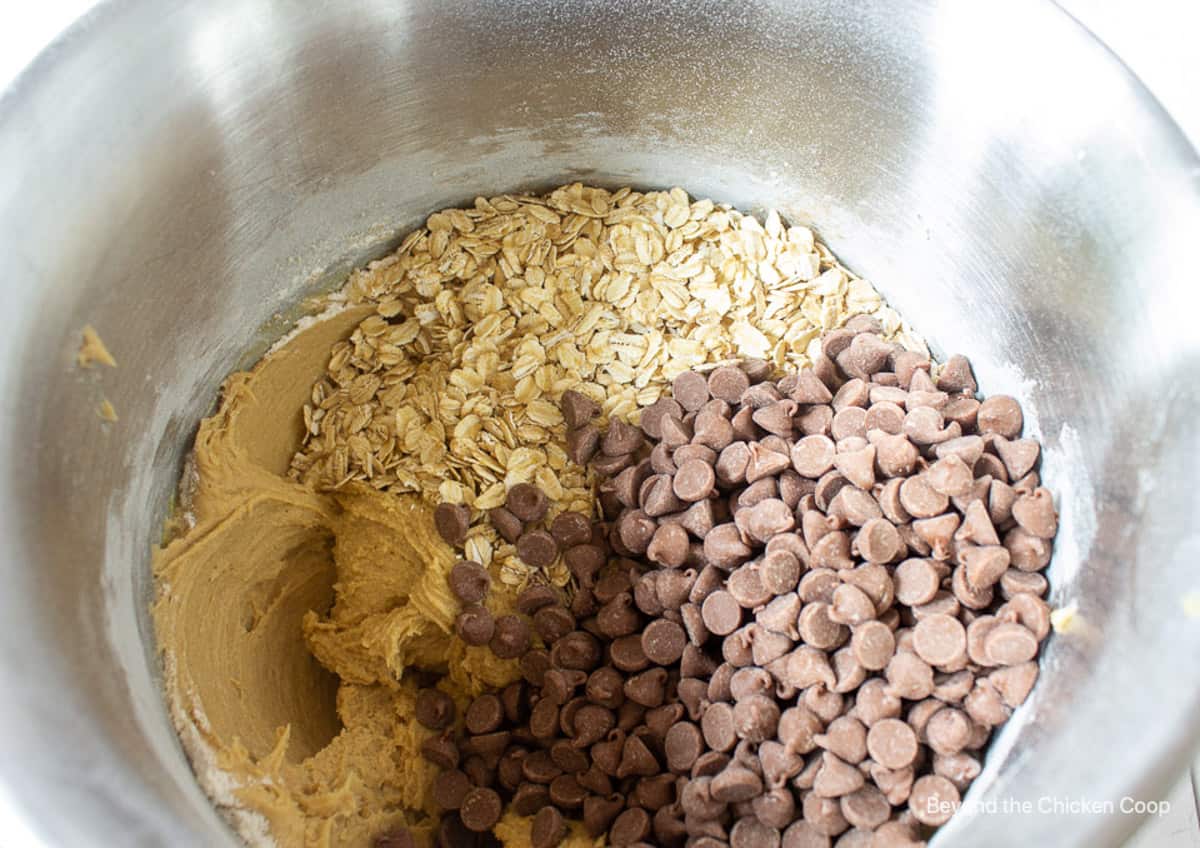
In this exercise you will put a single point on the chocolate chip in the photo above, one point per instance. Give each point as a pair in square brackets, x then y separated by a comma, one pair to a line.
[1035, 514]
[552, 623]
[818, 629]
[578, 409]
[713, 430]
[1000, 414]
[1014, 682]
[909, 676]
[584, 561]
[752, 495]
[940, 640]
[538, 767]
[933, 800]
[721, 612]
[855, 505]
[690, 389]
[873, 644]
[434, 709]
[815, 421]
[885, 416]
[850, 422]
[469, 582]
[487, 748]
[441, 751]
[607, 754]
[583, 443]
[566, 792]
[892, 743]
[776, 417]
[653, 415]
[450, 789]
[857, 466]
[728, 383]
[569, 758]
[481, 809]
[736, 783]
[507, 525]
[760, 396]
[920, 499]
[529, 798]
[605, 688]
[813, 455]
[809, 388]
[654, 793]
[475, 625]
[724, 548]
[675, 433]
[768, 518]
[636, 759]
[548, 828]
[818, 584]
[627, 654]
[779, 572]
[629, 828]
[618, 617]
[948, 731]
[621, 439]
[956, 376]
[766, 460]
[895, 456]
[543, 719]
[756, 717]
[1020, 456]
[484, 714]
[537, 548]
[661, 461]
[694, 481]
[663, 642]
[570, 529]
[512, 637]
[731, 464]
[878, 541]
[533, 598]
[836, 778]
[657, 497]
[851, 606]
[1009, 643]
[452, 521]
[647, 688]
[868, 354]
[577, 650]
[635, 529]
[669, 546]
[607, 466]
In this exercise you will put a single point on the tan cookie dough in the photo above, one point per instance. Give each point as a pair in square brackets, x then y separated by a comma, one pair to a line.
[293, 626]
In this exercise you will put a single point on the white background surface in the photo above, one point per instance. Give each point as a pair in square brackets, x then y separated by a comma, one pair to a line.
[1154, 37]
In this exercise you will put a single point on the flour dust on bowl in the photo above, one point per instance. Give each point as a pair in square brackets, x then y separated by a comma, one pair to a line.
[230, 162]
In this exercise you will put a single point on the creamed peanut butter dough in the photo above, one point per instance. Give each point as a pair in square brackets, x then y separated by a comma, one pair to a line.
[306, 708]
[297, 620]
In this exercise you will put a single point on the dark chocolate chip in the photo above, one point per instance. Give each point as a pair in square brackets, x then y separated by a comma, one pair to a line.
[452, 521]
[434, 709]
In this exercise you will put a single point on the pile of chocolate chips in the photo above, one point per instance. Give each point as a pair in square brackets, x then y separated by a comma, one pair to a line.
[809, 603]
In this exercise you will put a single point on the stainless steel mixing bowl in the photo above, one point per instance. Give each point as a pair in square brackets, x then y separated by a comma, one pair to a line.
[180, 174]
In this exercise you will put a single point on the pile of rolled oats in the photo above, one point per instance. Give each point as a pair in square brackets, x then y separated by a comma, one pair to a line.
[486, 315]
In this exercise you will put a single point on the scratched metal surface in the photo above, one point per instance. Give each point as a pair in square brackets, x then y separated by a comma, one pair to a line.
[182, 192]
